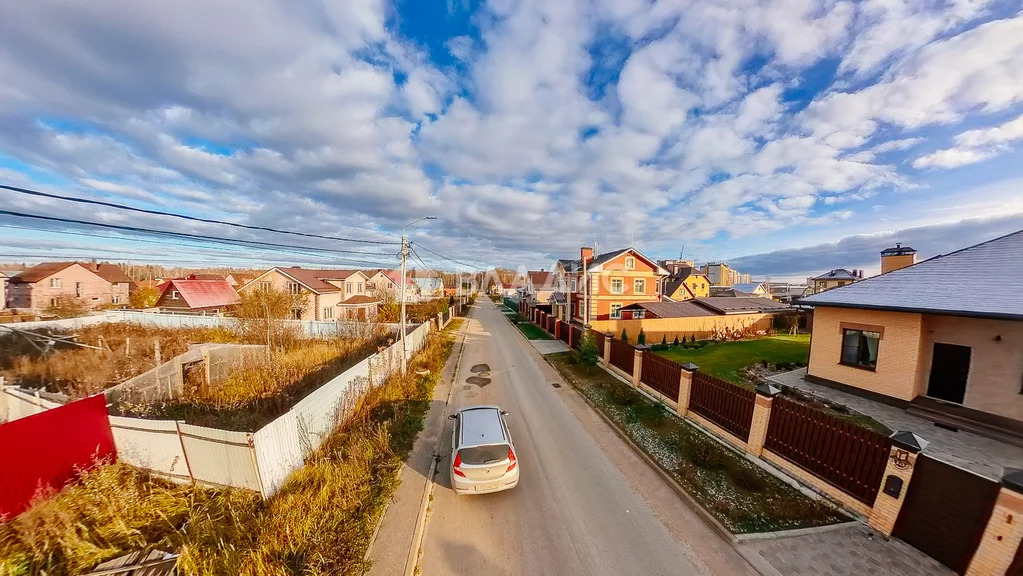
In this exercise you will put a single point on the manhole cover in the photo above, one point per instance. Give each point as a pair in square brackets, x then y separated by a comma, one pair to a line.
[555, 384]
[480, 368]
[481, 382]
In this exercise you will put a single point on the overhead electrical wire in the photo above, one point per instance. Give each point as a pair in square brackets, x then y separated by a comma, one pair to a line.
[447, 258]
[185, 217]
[197, 237]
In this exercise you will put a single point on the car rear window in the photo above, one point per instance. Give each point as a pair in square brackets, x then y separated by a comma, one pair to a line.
[483, 455]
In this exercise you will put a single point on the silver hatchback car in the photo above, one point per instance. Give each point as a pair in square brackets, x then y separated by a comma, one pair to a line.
[482, 453]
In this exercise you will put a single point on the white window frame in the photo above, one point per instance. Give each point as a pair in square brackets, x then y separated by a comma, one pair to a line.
[348, 287]
[265, 285]
[174, 294]
[296, 313]
[621, 286]
[616, 311]
[572, 284]
[115, 299]
[55, 283]
[636, 282]
[328, 312]
[630, 263]
[360, 287]
[294, 288]
[638, 314]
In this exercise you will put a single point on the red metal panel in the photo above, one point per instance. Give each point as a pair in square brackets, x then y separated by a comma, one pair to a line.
[45, 449]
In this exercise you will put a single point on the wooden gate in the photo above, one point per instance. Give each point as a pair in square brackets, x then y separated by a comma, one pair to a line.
[1016, 568]
[945, 512]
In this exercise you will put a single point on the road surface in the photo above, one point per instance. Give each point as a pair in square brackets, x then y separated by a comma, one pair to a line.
[574, 511]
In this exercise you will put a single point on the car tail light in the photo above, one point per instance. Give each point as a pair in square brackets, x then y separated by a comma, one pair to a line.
[458, 465]
[513, 463]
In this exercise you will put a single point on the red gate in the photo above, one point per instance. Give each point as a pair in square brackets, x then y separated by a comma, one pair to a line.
[46, 449]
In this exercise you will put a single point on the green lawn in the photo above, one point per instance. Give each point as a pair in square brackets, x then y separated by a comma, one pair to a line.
[726, 360]
[533, 332]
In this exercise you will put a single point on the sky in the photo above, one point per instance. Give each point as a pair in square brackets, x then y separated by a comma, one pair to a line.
[787, 137]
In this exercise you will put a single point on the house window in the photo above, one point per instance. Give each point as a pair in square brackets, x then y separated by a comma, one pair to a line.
[174, 294]
[116, 299]
[859, 348]
[348, 287]
[53, 302]
[616, 311]
[360, 287]
[630, 263]
[264, 286]
[54, 282]
[638, 314]
[296, 313]
[294, 287]
[639, 286]
[573, 285]
[617, 286]
[328, 312]
[78, 289]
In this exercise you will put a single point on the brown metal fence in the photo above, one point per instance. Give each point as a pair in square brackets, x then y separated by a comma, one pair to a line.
[550, 324]
[846, 455]
[723, 403]
[598, 337]
[577, 337]
[623, 356]
[661, 374]
[563, 336]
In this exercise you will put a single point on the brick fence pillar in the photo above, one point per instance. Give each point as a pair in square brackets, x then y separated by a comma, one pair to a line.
[637, 364]
[685, 387]
[1003, 535]
[557, 329]
[761, 419]
[571, 336]
[608, 336]
[906, 446]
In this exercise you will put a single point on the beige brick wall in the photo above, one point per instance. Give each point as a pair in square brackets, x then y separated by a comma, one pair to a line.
[886, 509]
[820, 485]
[315, 303]
[996, 365]
[889, 263]
[898, 373]
[1002, 537]
[758, 428]
[716, 430]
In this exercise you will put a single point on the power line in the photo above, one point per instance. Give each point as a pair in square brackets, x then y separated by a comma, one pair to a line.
[185, 217]
[446, 258]
[234, 241]
[232, 253]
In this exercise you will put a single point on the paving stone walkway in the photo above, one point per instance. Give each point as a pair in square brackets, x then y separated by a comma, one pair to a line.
[853, 551]
[978, 454]
[546, 347]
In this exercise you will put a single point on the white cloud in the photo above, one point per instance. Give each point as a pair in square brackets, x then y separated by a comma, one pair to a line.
[975, 146]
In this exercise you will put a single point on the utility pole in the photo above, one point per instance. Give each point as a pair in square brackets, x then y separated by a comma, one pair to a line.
[404, 258]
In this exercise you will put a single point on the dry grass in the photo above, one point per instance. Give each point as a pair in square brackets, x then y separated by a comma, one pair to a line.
[320, 523]
[80, 372]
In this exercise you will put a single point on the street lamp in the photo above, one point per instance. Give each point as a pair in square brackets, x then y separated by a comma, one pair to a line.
[404, 257]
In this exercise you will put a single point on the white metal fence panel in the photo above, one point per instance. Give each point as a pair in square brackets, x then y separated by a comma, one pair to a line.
[152, 445]
[18, 404]
[319, 413]
[220, 457]
[64, 324]
[278, 452]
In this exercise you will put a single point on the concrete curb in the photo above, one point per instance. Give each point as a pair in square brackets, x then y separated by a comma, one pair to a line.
[759, 536]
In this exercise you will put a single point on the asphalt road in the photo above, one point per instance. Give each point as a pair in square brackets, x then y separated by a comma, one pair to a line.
[573, 512]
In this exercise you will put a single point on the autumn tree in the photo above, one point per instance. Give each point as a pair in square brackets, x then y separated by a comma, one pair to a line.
[144, 297]
[263, 313]
[66, 306]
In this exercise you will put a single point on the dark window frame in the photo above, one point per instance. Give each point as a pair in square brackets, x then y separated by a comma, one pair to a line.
[862, 341]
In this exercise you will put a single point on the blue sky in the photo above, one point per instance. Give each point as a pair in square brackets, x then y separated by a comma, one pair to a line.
[789, 137]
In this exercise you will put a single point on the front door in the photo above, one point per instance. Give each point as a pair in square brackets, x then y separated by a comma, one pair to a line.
[950, 366]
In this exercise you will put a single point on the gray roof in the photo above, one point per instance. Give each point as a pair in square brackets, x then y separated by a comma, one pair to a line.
[740, 305]
[684, 309]
[749, 287]
[939, 286]
[837, 274]
[728, 292]
[898, 250]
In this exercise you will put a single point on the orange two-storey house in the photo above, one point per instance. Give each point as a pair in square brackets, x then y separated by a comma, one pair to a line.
[610, 282]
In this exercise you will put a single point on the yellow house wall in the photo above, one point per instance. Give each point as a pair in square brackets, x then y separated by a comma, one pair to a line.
[897, 373]
[315, 303]
[993, 384]
[889, 263]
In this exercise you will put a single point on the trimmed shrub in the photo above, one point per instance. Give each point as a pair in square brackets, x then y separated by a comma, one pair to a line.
[705, 454]
[625, 336]
[675, 343]
[746, 478]
[641, 339]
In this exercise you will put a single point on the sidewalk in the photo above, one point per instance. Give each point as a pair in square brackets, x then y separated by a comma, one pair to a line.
[390, 549]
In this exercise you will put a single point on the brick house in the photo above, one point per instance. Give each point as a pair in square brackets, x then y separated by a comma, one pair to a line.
[197, 296]
[93, 284]
[330, 294]
[925, 337]
[615, 279]
[834, 279]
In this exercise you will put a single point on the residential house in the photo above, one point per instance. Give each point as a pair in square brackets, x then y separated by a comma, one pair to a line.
[540, 285]
[728, 292]
[834, 279]
[329, 294]
[385, 284]
[754, 288]
[701, 318]
[720, 274]
[92, 283]
[238, 279]
[430, 288]
[789, 293]
[684, 282]
[925, 336]
[508, 289]
[611, 281]
[195, 295]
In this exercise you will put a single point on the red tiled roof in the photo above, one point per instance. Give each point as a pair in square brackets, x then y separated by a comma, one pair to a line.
[109, 272]
[360, 299]
[542, 279]
[203, 293]
[395, 276]
[40, 271]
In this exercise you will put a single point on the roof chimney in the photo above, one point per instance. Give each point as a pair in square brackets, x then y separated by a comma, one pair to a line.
[898, 257]
[586, 253]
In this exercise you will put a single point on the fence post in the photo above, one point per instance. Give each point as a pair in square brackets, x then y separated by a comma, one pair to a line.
[685, 388]
[1003, 535]
[608, 336]
[761, 419]
[184, 452]
[906, 446]
[571, 333]
[637, 364]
